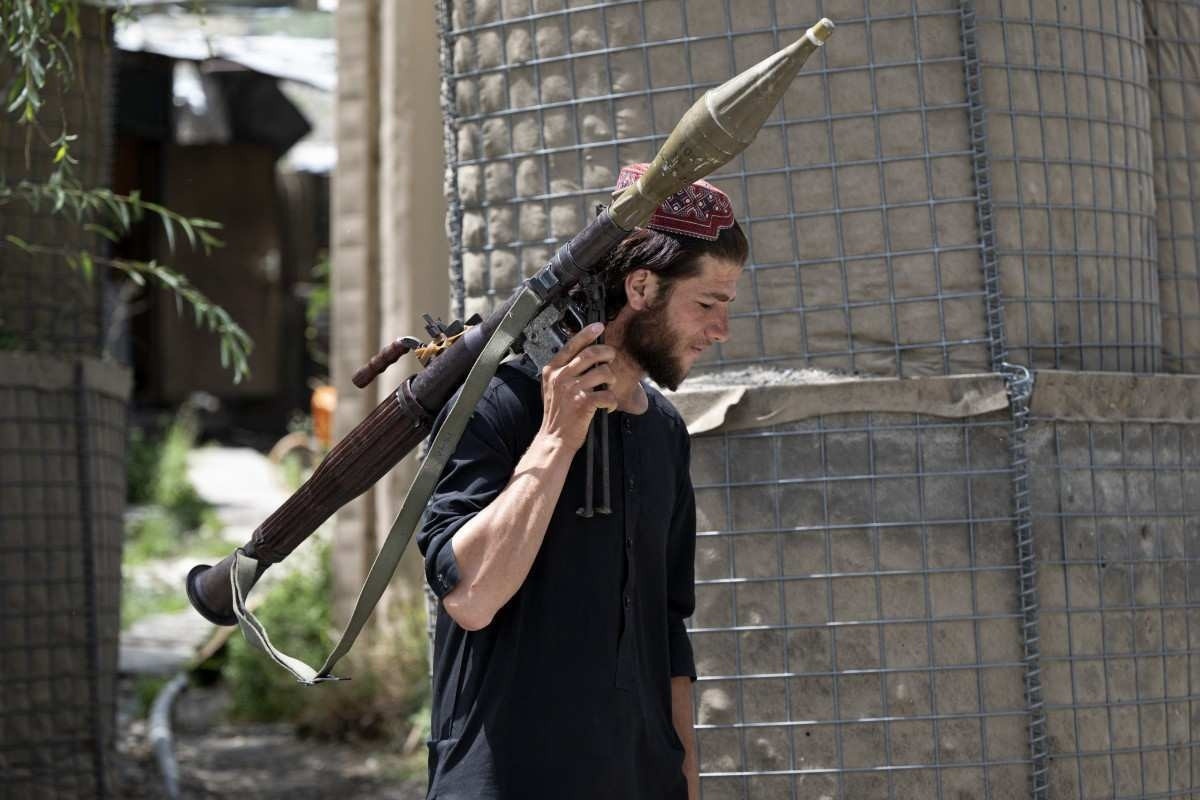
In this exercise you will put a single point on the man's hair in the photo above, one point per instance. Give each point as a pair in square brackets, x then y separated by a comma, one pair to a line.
[670, 256]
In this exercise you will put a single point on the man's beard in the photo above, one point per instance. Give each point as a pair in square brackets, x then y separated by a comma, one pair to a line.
[649, 341]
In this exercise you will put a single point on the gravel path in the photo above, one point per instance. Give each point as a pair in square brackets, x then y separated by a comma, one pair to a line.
[222, 760]
[218, 759]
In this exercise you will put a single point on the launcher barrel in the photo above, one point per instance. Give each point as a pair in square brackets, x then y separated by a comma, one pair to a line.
[719, 126]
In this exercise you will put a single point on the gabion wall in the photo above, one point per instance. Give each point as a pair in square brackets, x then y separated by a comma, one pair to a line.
[62, 445]
[44, 304]
[893, 603]
[1066, 93]
[862, 196]
[859, 628]
[1116, 508]
[1173, 46]
[856, 628]
[62, 494]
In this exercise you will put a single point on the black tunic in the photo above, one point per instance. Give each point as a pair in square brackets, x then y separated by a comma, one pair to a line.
[566, 694]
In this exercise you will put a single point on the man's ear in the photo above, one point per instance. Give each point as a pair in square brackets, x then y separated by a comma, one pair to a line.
[641, 287]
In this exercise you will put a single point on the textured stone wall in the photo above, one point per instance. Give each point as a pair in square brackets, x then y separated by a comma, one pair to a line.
[856, 629]
[1173, 49]
[389, 252]
[1116, 510]
[44, 304]
[62, 447]
[859, 196]
[1066, 90]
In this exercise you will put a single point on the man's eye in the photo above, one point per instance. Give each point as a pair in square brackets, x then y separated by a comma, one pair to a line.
[705, 305]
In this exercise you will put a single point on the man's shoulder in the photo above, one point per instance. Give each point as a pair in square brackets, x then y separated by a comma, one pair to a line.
[513, 398]
[516, 382]
[664, 410]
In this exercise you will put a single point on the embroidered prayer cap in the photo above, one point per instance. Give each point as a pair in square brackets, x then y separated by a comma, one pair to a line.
[698, 209]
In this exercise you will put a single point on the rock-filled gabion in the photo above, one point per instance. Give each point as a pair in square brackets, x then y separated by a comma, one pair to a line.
[1116, 511]
[1173, 54]
[860, 195]
[857, 629]
[1066, 92]
[45, 304]
[62, 447]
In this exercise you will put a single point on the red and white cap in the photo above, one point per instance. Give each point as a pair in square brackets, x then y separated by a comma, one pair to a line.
[698, 209]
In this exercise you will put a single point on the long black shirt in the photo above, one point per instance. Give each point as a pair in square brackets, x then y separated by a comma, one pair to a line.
[566, 694]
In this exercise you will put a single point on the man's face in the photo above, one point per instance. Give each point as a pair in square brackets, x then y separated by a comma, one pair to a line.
[678, 325]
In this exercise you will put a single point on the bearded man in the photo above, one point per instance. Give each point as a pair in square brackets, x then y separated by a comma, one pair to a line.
[562, 667]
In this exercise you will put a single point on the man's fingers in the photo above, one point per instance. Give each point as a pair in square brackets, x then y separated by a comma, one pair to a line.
[604, 399]
[576, 344]
[592, 355]
[600, 374]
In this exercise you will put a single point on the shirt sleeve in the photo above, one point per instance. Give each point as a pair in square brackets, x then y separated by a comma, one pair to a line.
[681, 575]
[480, 468]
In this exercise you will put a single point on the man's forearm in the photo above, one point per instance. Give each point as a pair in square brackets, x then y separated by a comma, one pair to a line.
[681, 716]
[497, 547]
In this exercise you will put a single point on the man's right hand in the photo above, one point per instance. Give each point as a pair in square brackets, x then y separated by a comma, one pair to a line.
[569, 387]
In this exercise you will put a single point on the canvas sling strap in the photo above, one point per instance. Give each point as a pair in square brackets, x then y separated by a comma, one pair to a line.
[497, 347]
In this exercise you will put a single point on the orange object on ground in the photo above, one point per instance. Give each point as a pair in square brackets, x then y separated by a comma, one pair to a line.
[324, 401]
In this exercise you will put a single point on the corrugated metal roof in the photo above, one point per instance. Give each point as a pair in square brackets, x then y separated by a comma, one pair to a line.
[305, 60]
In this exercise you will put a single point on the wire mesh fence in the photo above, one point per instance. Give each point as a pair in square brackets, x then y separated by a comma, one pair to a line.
[62, 492]
[857, 196]
[860, 194]
[860, 614]
[893, 603]
[62, 444]
[1173, 50]
[1066, 90]
[46, 305]
[1116, 533]
[857, 630]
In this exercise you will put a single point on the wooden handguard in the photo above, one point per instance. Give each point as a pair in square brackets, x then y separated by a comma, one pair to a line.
[390, 432]
[389, 355]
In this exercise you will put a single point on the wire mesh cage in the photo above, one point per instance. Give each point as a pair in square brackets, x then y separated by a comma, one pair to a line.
[1066, 91]
[1173, 53]
[62, 493]
[895, 601]
[45, 304]
[861, 194]
[1115, 505]
[62, 444]
[862, 627]
[857, 632]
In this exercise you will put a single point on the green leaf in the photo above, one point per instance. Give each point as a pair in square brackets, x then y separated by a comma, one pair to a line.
[170, 231]
[17, 241]
[89, 268]
[92, 227]
[187, 229]
[20, 98]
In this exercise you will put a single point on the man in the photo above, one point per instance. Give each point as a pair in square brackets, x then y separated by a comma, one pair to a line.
[562, 667]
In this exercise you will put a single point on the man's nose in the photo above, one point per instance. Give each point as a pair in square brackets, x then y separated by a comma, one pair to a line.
[718, 329]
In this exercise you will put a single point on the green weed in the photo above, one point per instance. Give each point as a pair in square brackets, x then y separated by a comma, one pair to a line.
[388, 695]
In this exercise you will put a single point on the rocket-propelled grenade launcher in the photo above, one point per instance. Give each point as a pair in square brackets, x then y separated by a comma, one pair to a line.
[715, 129]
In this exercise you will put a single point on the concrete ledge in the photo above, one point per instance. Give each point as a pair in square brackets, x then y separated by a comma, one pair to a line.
[1115, 397]
[758, 400]
[51, 373]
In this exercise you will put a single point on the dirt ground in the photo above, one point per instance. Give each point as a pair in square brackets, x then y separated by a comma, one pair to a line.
[218, 759]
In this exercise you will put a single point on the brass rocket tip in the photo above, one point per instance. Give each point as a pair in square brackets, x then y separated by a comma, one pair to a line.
[717, 127]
